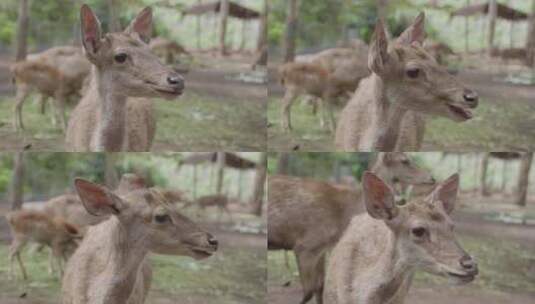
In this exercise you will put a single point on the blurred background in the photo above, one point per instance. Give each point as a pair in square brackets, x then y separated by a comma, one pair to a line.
[215, 44]
[490, 50]
[494, 216]
[235, 274]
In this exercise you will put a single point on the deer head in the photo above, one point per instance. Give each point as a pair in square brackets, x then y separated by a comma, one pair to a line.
[412, 77]
[397, 166]
[148, 215]
[423, 230]
[125, 61]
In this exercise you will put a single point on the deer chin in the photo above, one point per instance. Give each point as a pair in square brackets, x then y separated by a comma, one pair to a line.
[459, 112]
[200, 253]
[460, 279]
[167, 93]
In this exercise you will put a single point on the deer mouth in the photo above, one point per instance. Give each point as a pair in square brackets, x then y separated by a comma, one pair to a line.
[169, 92]
[462, 277]
[460, 112]
[201, 253]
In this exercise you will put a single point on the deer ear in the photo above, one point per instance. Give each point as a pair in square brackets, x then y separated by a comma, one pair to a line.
[415, 32]
[378, 54]
[98, 200]
[378, 197]
[91, 32]
[142, 25]
[446, 193]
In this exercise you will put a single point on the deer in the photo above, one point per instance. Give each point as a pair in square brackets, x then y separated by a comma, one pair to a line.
[38, 227]
[116, 112]
[309, 216]
[404, 78]
[220, 201]
[57, 72]
[376, 258]
[327, 76]
[167, 49]
[111, 264]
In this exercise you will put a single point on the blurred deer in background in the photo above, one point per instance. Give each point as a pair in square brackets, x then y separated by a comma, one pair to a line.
[34, 226]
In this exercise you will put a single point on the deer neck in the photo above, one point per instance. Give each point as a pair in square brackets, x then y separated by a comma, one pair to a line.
[388, 116]
[396, 269]
[127, 251]
[111, 125]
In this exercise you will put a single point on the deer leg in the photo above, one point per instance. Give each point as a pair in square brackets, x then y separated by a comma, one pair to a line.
[287, 101]
[42, 104]
[14, 251]
[56, 252]
[327, 110]
[320, 275]
[50, 262]
[22, 93]
[307, 261]
[59, 103]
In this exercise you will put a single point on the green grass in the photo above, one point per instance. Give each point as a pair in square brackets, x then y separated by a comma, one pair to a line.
[497, 126]
[231, 276]
[504, 266]
[191, 123]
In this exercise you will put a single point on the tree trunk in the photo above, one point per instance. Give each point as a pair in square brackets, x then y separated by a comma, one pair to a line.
[110, 174]
[262, 31]
[113, 8]
[290, 35]
[220, 172]
[493, 11]
[467, 31]
[223, 19]
[198, 29]
[523, 179]
[530, 45]
[483, 187]
[17, 182]
[22, 31]
[259, 185]
[283, 163]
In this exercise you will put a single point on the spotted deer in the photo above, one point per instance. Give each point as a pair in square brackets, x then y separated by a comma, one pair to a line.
[116, 113]
[56, 73]
[405, 77]
[309, 216]
[331, 74]
[39, 227]
[111, 264]
[376, 258]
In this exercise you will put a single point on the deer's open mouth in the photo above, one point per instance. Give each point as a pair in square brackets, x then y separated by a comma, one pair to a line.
[201, 253]
[169, 92]
[460, 111]
[465, 277]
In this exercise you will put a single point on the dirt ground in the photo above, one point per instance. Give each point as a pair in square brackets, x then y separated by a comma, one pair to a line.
[218, 110]
[503, 121]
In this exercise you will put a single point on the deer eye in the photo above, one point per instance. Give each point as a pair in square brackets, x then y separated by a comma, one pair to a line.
[162, 218]
[406, 162]
[121, 57]
[419, 232]
[413, 72]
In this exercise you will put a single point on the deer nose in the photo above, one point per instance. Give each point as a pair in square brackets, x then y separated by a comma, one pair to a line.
[212, 240]
[176, 80]
[468, 264]
[471, 98]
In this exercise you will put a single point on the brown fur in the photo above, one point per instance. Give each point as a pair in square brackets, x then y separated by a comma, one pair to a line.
[116, 113]
[375, 116]
[167, 49]
[112, 265]
[41, 228]
[58, 72]
[375, 260]
[309, 216]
